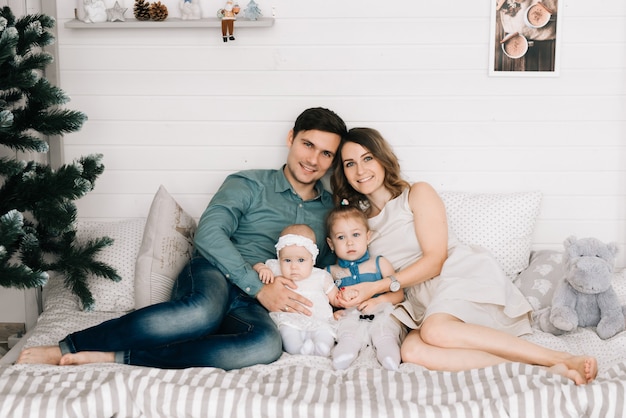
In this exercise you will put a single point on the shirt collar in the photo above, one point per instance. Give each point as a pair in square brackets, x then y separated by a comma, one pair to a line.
[282, 185]
[347, 263]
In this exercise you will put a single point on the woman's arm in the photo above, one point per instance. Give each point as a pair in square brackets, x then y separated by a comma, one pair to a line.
[385, 295]
[431, 230]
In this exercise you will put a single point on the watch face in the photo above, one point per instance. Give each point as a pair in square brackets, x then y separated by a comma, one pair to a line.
[394, 286]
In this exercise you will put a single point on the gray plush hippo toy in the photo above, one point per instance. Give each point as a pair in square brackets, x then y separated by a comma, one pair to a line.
[585, 297]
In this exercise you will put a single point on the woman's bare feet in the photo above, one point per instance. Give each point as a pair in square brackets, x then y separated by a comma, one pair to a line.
[49, 354]
[586, 366]
[87, 357]
[580, 369]
[573, 375]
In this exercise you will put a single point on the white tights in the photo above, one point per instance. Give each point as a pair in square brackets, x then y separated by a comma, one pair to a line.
[297, 341]
[384, 332]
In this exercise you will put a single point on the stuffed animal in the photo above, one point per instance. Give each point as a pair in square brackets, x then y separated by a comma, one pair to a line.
[585, 297]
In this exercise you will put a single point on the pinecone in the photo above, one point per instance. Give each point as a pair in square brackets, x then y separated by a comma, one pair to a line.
[142, 10]
[158, 11]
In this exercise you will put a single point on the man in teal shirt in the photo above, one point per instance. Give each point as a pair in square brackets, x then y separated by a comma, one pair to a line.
[241, 225]
[218, 314]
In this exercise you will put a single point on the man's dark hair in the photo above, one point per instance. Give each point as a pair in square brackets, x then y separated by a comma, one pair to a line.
[320, 119]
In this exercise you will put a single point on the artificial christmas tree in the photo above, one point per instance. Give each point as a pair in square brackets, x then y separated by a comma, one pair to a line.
[37, 212]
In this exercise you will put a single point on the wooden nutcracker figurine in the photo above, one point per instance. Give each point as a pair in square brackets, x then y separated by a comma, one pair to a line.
[228, 15]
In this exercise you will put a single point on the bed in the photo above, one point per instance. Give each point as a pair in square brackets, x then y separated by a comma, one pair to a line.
[148, 253]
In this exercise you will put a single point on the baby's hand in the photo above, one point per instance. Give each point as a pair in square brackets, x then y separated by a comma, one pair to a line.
[265, 273]
[266, 276]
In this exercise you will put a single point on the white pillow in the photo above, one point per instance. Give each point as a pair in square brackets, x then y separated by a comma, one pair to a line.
[112, 296]
[500, 222]
[165, 249]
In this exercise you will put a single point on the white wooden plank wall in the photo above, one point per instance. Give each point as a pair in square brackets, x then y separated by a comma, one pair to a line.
[22, 7]
[179, 107]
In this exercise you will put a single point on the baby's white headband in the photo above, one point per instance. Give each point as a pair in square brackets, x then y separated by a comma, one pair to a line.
[299, 240]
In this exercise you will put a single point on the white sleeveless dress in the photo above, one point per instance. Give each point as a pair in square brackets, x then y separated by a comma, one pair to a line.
[471, 286]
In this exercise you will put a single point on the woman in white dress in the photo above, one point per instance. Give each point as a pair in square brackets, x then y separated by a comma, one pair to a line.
[462, 310]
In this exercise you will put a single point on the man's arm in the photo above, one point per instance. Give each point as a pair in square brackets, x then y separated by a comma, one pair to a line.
[218, 224]
[216, 227]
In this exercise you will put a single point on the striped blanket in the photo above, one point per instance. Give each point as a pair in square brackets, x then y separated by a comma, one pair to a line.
[307, 386]
[289, 389]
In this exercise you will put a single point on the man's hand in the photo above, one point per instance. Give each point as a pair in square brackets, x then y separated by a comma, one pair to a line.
[279, 296]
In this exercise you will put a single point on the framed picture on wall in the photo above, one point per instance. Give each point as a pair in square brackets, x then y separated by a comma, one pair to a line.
[524, 38]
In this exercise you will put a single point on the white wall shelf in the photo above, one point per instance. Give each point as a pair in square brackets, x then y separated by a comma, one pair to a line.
[168, 23]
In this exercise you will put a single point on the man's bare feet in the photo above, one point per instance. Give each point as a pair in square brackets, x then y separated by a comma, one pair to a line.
[87, 357]
[50, 354]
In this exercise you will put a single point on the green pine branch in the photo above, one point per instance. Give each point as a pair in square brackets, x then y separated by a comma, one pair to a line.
[77, 263]
[12, 237]
[37, 209]
[10, 167]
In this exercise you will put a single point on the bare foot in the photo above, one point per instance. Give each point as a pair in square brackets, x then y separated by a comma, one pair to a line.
[49, 354]
[573, 375]
[87, 357]
[591, 368]
[586, 366]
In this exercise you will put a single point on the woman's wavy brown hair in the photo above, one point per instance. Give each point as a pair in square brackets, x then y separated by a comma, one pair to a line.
[374, 142]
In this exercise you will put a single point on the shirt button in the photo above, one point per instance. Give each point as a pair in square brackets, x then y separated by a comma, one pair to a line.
[227, 276]
[300, 205]
[248, 289]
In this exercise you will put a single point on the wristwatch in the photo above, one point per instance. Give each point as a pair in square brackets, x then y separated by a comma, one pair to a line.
[395, 284]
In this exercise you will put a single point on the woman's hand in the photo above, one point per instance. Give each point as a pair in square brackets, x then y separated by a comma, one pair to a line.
[357, 294]
[370, 305]
[349, 297]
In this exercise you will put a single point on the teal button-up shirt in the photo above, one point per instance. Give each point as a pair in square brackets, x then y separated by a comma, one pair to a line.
[244, 219]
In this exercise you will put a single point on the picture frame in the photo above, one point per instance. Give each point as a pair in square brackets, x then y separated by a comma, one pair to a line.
[524, 38]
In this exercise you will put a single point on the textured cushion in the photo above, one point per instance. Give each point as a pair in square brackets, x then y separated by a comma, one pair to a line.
[542, 276]
[165, 249]
[500, 222]
[112, 296]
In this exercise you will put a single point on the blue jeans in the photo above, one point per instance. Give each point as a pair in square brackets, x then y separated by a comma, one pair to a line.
[208, 322]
